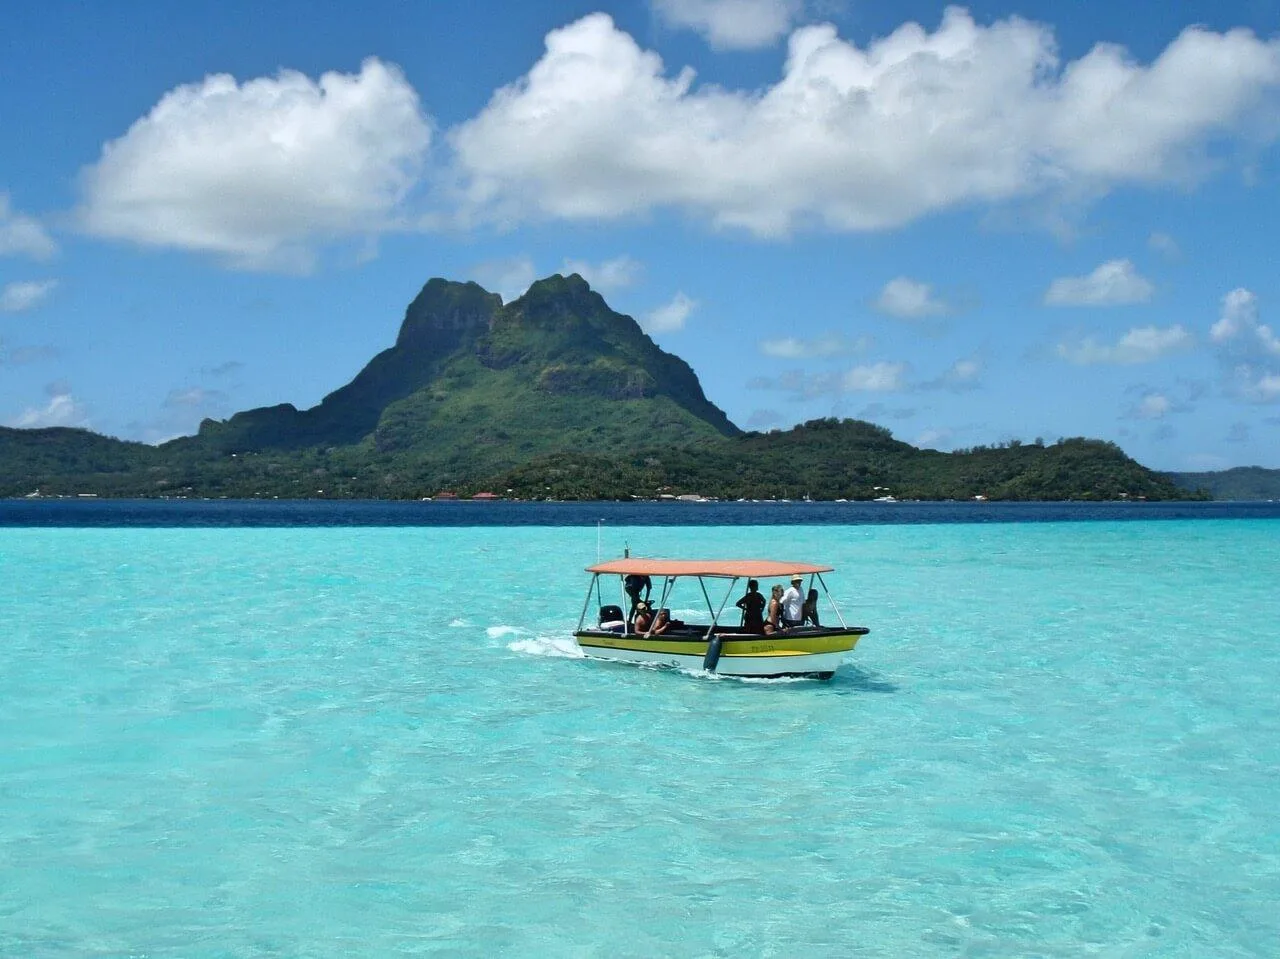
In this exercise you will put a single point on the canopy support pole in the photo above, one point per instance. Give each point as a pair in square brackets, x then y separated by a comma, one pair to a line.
[587, 602]
[832, 600]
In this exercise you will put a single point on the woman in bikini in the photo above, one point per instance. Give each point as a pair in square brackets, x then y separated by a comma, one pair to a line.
[773, 618]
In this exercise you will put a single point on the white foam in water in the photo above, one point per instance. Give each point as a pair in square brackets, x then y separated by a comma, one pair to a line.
[497, 632]
[454, 623]
[555, 646]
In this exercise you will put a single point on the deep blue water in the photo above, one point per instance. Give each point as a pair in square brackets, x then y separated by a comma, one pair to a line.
[303, 513]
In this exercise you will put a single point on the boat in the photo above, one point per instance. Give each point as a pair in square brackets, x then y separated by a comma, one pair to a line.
[714, 645]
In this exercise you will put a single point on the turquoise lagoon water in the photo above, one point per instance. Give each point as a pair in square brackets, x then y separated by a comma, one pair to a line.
[1058, 739]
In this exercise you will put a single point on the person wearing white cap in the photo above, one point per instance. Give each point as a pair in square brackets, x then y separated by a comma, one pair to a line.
[793, 603]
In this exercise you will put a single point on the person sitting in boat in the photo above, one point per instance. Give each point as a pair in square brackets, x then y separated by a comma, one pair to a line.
[793, 603]
[752, 606]
[773, 617]
[661, 623]
[633, 585]
[644, 617]
[810, 617]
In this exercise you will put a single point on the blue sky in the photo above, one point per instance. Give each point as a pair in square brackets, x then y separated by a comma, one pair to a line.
[967, 224]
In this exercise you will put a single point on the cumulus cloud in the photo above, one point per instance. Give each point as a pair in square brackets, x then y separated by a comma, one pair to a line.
[1247, 348]
[21, 234]
[1239, 324]
[259, 173]
[25, 295]
[731, 24]
[1114, 283]
[1152, 406]
[879, 377]
[820, 347]
[670, 316]
[1142, 344]
[61, 410]
[852, 138]
[509, 277]
[909, 299]
[963, 374]
[616, 274]
[1266, 388]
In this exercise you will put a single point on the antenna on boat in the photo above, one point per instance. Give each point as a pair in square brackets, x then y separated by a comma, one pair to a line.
[599, 526]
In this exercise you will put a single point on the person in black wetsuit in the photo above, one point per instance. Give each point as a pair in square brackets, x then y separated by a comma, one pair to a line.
[752, 606]
[633, 585]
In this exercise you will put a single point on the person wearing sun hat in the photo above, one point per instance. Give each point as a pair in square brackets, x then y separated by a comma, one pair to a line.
[793, 603]
[644, 617]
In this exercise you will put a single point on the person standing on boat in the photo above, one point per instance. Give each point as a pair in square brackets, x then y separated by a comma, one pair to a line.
[752, 606]
[633, 584]
[793, 603]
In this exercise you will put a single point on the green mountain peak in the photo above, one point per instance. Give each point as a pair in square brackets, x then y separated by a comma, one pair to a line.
[463, 364]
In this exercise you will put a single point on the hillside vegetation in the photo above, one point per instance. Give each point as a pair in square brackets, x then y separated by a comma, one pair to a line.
[1240, 483]
[553, 395]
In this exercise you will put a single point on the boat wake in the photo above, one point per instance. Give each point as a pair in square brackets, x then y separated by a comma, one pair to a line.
[522, 641]
[746, 680]
[553, 646]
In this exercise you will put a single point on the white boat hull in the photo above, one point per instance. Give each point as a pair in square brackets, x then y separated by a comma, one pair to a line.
[759, 656]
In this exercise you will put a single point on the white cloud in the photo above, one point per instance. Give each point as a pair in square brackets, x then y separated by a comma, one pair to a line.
[909, 299]
[671, 316]
[24, 295]
[876, 378]
[616, 274]
[855, 138]
[510, 278]
[261, 172]
[1153, 406]
[731, 24]
[21, 234]
[820, 347]
[1114, 283]
[61, 410]
[1248, 349]
[1142, 344]
[963, 374]
[1267, 387]
[1239, 322]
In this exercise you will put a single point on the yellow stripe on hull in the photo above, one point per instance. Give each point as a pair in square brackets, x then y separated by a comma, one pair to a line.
[764, 646]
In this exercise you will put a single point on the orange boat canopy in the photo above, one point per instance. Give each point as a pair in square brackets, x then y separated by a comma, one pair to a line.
[727, 568]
